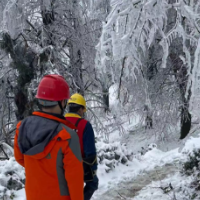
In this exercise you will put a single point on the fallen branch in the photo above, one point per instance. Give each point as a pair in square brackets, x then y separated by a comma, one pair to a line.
[121, 196]
[1, 148]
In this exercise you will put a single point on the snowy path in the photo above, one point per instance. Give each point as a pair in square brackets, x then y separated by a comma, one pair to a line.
[155, 166]
[143, 178]
[130, 189]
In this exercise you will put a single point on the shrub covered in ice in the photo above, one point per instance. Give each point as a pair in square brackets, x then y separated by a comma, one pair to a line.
[111, 154]
[192, 168]
[11, 178]
[193, 163]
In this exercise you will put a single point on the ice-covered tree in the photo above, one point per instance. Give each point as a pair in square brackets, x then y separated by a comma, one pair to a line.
[148, 48]
[48, 36]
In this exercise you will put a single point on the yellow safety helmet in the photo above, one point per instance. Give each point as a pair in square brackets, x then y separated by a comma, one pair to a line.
[77, 99]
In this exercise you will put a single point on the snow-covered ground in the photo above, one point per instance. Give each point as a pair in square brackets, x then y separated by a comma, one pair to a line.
[155, 175]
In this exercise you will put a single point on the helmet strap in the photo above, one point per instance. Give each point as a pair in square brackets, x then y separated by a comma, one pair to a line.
[62, 108]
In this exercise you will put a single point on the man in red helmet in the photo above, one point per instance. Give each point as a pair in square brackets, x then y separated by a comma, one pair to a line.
[48, 148]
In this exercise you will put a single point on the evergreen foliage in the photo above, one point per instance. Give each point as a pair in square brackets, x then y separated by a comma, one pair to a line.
[193, 163]
[192, 168]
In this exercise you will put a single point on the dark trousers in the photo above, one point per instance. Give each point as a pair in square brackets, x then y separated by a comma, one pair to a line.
[90, 188]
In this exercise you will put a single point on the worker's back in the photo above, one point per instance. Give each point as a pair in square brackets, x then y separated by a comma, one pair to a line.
[53, 164]
[80, 124]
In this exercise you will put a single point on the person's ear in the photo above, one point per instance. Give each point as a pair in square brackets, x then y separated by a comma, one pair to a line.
[82, 111]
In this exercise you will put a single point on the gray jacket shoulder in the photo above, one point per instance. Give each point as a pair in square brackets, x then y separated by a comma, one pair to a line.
[74, 143]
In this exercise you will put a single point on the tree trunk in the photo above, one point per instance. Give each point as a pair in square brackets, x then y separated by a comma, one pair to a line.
[106, 99]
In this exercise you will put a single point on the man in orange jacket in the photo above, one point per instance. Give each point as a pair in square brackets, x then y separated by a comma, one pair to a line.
[47, 147]
[77, 108]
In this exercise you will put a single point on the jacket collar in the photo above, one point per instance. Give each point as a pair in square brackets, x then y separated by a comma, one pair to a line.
[55, 115]
[57, 118]
[73, 115]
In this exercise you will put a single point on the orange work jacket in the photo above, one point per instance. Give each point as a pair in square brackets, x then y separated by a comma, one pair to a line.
[49, 150]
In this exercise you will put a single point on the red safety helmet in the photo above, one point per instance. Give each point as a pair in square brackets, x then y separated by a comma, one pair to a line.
[53, 88]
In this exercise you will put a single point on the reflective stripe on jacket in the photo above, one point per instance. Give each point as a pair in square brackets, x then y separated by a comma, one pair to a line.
[50, 152]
